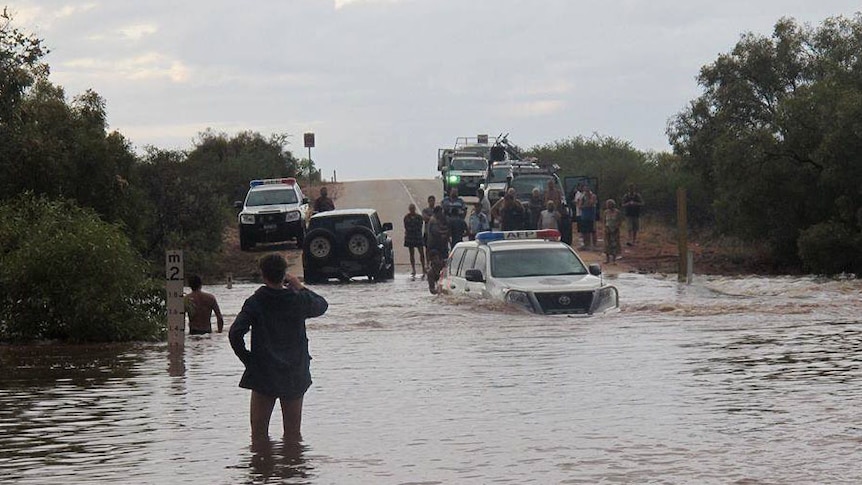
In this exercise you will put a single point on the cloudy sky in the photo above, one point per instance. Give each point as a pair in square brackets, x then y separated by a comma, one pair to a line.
[384, 83]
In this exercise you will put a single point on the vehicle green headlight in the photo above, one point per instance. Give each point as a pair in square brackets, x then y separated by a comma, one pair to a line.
[453, 179]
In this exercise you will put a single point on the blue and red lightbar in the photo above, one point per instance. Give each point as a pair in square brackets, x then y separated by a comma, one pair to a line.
[286, 181]
[490, 236]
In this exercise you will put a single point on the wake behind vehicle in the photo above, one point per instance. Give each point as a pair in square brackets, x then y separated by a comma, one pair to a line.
[531, 270]
[274, 210]
[344, 243]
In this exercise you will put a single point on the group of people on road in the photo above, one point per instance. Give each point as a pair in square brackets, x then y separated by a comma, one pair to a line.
[444, 225]
[586, 215]
[543, 210]
[438, 227]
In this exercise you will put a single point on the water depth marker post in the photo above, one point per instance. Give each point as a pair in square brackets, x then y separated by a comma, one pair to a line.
[684, 273]
[174, 275]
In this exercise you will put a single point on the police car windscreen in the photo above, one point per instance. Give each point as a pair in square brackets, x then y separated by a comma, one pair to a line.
[535, 262]
[271, 197]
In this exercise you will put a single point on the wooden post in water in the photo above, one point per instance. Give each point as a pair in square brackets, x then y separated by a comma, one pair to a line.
[229, 280]
[682, 233]
[174, 275]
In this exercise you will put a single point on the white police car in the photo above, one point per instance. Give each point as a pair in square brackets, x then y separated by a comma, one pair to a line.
[274, 211]
[532, 270]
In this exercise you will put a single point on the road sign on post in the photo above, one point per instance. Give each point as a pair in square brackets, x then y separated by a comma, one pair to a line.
[308, 138]
[174, 275]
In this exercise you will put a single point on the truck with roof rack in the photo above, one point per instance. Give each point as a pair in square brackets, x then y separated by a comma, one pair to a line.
[466, 166]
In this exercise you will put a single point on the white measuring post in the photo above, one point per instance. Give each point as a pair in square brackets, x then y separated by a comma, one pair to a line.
[174, 276]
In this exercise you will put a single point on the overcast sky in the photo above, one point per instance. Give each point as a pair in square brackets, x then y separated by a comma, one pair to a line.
[384, 83]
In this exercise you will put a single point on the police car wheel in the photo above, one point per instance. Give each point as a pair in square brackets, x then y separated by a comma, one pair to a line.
[245, 244]
[319, 245]
[360, 243]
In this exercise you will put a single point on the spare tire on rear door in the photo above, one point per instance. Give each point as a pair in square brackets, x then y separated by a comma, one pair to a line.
[319, 245]
[360, 243]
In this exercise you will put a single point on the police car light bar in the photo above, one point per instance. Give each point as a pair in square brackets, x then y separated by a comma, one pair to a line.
[286, 181]
[490, 236]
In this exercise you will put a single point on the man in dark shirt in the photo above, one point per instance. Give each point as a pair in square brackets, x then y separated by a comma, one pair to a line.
[278, 364]
[323, 203]
[453, 204]
[438, 246]
[632, 203]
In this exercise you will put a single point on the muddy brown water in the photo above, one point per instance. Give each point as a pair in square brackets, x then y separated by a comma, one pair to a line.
[755, 380]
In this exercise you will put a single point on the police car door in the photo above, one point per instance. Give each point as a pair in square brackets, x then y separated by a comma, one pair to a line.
[453, 283]
[480, 263]
[459, 277]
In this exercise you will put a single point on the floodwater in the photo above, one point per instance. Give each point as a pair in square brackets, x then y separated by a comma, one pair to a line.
[745, 381]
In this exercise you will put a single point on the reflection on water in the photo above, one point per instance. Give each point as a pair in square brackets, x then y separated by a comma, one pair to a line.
[754, 380]
[275, 462]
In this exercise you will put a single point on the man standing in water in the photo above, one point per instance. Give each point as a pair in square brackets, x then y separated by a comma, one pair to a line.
[200, 306]
[278, 364]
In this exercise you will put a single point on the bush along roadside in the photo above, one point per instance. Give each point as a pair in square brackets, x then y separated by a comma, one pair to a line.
[67, 275]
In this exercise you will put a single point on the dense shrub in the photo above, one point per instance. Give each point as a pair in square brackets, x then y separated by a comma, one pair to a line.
[831, 248]
[65, 274]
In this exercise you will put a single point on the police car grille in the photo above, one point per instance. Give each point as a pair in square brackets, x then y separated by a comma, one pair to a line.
[566, 302]
[271, 218]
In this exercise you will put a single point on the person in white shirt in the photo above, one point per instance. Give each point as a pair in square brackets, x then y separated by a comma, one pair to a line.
[549, 218]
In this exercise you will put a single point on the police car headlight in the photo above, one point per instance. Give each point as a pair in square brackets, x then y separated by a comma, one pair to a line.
[519, 298]
[246, 218]
[292, 216]
[454, 179]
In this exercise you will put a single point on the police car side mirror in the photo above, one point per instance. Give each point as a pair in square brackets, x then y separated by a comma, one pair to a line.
[474, 275]
[595, 269]
[305, 200]
[237, 204]
[387, 226]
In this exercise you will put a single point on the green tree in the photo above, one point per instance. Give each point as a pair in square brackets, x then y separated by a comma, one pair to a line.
[67, 275]
[229, 163]
[614, 162]
[308, 172]
[20, 65]
[62, 150]
[184, 210]
[776, 136]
